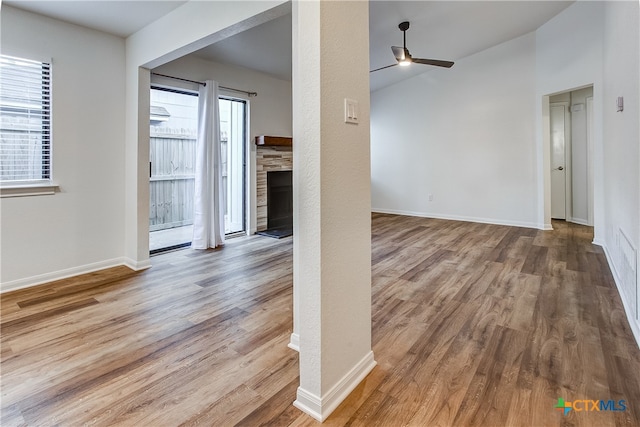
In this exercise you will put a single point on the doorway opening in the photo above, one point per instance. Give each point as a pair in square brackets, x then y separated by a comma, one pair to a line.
[571, 155]
[172, 159]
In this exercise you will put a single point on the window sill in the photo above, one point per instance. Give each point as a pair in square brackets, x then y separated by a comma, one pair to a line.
[28, 189]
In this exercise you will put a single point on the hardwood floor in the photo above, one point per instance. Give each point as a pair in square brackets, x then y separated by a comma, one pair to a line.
[473, 324]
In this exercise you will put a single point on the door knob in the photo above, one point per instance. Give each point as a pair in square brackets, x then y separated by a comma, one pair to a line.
[559, 168]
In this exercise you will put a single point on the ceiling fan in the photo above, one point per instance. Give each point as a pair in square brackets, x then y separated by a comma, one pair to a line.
[404, 58]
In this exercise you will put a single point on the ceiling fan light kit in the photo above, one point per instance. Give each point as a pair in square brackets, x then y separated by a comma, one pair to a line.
[404, 58]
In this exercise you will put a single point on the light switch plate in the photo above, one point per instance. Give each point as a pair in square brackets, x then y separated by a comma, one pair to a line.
[350, 111]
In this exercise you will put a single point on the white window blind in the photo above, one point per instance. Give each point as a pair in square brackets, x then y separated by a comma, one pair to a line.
[25, 120]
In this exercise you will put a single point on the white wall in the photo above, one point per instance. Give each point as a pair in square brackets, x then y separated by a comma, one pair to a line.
[569, 56]
[621, 168]
[464, 135]
[472, 136]
[269, 112]
[81, 228]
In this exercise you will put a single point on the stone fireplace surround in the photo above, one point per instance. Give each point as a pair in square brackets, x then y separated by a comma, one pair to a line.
[269, 158]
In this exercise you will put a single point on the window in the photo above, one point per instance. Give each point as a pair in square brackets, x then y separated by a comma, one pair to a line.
[25, 121]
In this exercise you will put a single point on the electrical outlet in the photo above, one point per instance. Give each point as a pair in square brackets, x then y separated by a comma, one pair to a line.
[431, 197]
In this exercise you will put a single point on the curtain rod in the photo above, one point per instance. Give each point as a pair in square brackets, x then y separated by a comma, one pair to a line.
[250, 94]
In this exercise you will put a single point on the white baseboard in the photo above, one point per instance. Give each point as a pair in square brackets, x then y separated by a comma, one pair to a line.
[628, 310]
[579, 221]
[294, 342]
[465, 218]
[321, 407]
[136, 265]
[39, 279]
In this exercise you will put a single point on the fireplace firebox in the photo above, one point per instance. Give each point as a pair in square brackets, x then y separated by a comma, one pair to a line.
[279, 200]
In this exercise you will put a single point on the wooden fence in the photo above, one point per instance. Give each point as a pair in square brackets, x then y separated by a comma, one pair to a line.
[172, 181]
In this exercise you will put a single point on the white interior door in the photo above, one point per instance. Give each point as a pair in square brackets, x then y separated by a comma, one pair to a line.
[558, 116]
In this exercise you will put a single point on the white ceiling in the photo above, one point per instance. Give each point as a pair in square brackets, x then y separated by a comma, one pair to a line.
[265, 48]
[447, 30]
[121, 18]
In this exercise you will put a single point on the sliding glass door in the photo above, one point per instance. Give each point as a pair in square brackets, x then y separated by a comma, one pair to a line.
[172, 155]
[233, 136]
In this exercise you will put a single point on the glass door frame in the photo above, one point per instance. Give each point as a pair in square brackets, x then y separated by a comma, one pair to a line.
[245, 141]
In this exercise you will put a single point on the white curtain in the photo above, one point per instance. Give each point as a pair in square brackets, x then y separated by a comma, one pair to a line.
[209, 203]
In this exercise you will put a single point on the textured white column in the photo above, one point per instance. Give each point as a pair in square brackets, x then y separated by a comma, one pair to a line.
[332, 202]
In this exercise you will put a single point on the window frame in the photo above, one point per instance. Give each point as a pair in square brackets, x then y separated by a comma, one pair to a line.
[46, 185]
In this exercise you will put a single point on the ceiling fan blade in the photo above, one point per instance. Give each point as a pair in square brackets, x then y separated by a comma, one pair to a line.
[382, 68]
[400, 53]
[435, 62]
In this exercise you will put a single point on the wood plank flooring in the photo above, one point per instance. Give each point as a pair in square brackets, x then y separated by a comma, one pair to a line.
[473, 325]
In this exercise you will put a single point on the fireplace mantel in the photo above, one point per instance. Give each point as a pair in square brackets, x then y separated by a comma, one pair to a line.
[274, 141]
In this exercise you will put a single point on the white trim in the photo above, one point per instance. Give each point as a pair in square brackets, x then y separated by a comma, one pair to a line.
[628, 311]
[136, 265]
[321, 407]
[465, 218]
[17, 52]
[590, 163]
[579, 221]
[40, 279]
[568, 159]
[294, 343]
[28, 189]
[309, 403]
